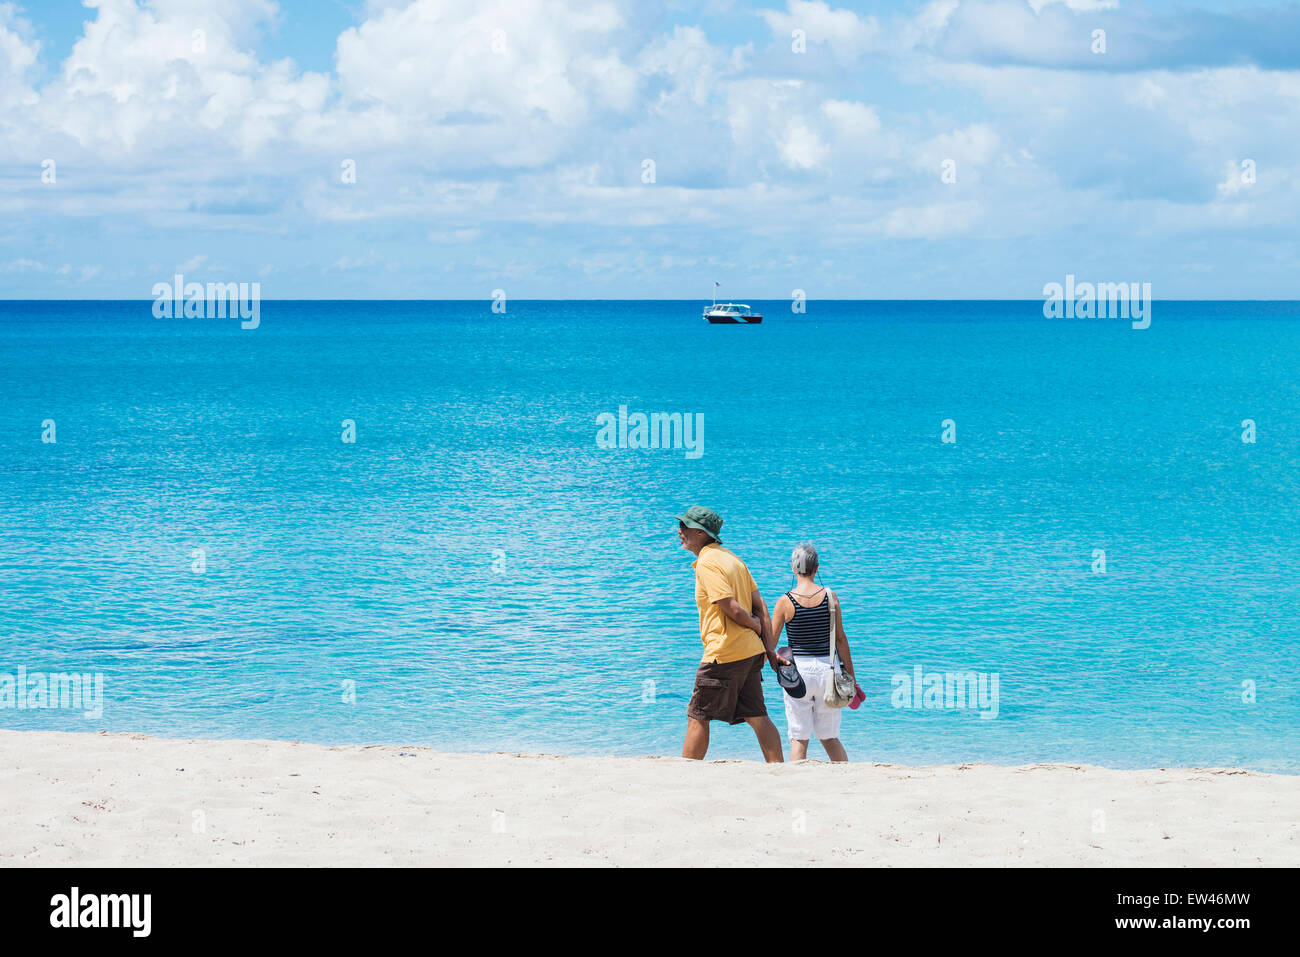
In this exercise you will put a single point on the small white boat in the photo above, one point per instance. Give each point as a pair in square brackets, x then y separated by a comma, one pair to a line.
[731, 313]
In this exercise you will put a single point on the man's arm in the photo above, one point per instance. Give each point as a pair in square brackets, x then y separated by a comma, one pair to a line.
[760, 623]
[731, 608]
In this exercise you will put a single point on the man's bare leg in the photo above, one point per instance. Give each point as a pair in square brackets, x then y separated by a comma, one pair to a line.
[697, 739]
[798, 749]
[769, 739]
[834, 750]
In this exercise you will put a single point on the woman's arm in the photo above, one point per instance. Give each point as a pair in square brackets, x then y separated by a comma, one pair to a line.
[780, 615]
[842, 640]
[760, 612]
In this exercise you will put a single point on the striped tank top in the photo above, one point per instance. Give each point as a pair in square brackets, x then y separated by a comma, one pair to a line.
[810, 628]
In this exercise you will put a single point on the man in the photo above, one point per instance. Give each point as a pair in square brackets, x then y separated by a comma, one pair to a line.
[737, 636]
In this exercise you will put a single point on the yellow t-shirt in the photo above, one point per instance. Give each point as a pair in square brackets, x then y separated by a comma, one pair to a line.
[720, 574]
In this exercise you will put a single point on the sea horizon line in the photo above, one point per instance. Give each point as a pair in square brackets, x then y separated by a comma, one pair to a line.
[1037, 300]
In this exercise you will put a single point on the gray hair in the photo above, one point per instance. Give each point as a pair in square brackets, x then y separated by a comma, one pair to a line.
[804, 559]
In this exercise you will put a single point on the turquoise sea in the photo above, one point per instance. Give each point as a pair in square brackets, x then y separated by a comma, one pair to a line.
[476, 573]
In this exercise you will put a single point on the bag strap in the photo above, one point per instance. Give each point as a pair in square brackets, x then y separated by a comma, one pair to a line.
[831, 600]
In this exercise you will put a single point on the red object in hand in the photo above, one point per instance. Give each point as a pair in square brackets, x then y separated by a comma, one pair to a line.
[859, 696]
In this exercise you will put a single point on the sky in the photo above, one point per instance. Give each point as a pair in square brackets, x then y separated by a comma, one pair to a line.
[591, 149]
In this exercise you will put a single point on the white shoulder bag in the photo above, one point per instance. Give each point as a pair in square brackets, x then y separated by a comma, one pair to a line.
[839, 689]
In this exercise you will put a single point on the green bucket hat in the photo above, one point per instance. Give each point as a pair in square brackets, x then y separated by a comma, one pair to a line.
[705, 519]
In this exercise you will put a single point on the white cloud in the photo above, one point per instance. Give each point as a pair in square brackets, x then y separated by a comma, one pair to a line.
[934, 15]
[862, 150]
[22, 264]
[1233, 181]
[511, 79]
[974, 146]
[853, 122]
[454, 236]
[931, 221]
[18, 55]
[346, 263]
[173, 75]
[455, 144]
[776, 117]
[801, 147]
[1010, 31]
[694, 67]
[843, 31]
[1078, 6]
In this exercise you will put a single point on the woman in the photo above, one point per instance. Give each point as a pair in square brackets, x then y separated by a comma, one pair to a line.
[805, 612]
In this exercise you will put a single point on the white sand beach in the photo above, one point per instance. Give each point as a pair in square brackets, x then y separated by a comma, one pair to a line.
[126, 799]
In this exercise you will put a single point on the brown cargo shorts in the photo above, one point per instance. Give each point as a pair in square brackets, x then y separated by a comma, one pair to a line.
[731, 691]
